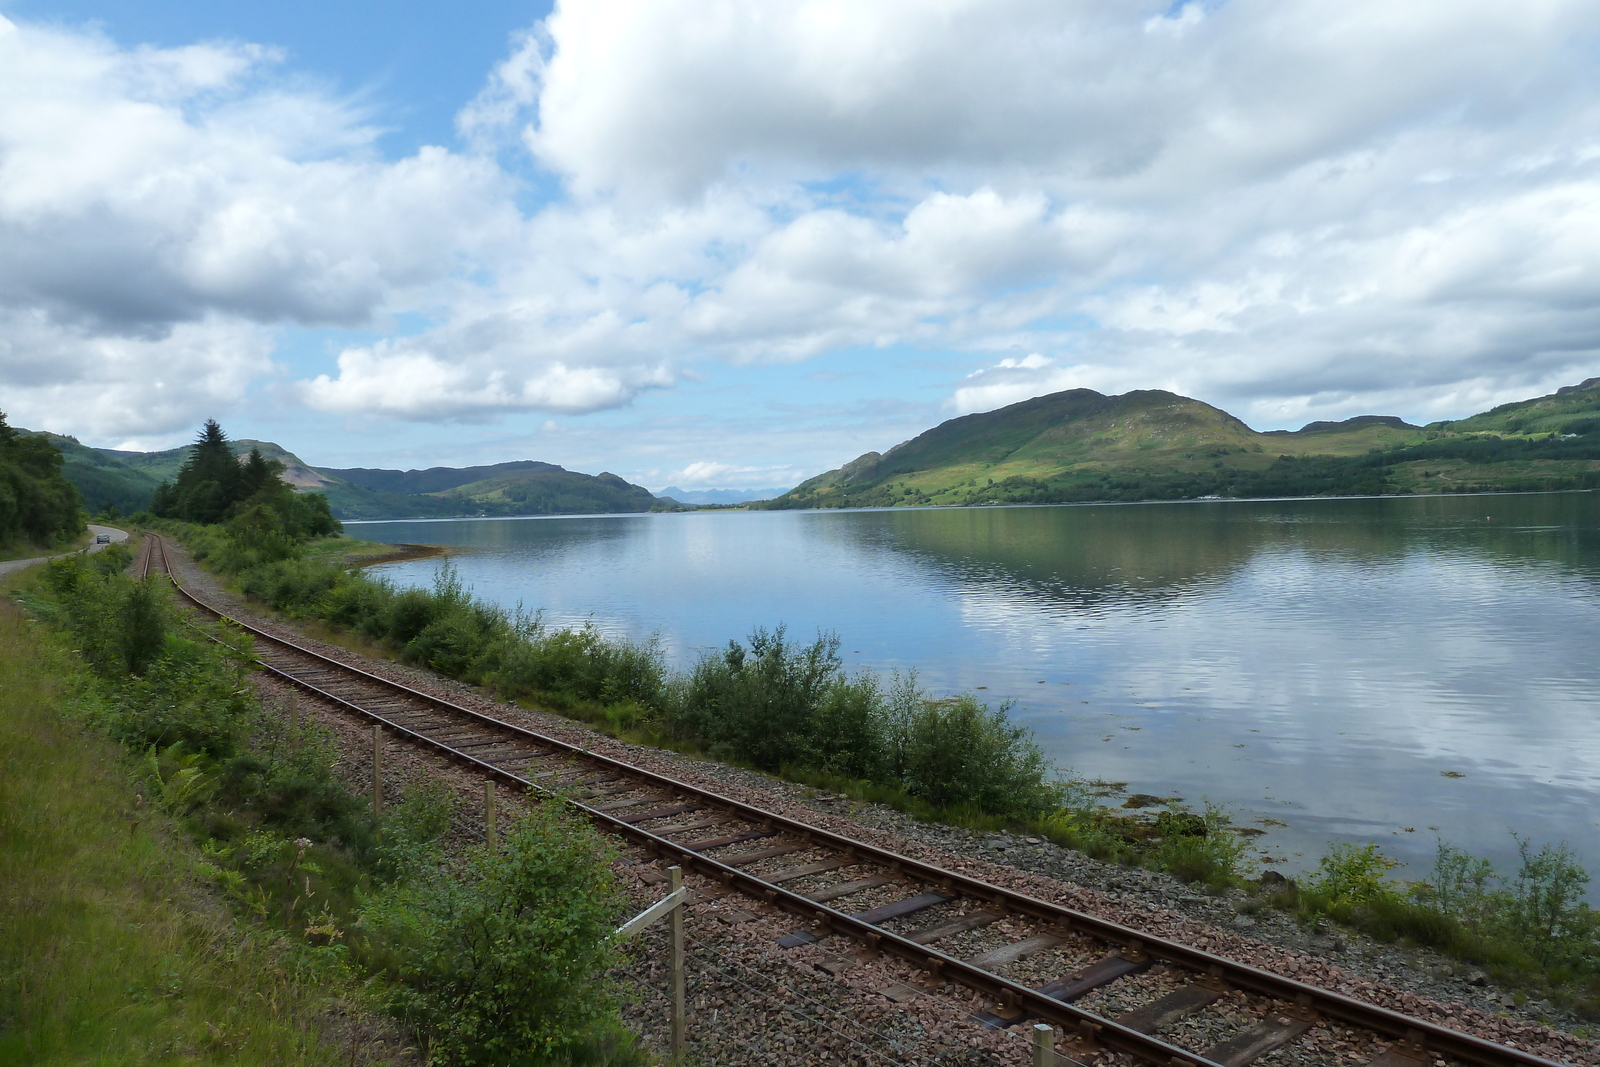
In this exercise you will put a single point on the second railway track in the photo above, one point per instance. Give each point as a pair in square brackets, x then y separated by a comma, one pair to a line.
[914, 910]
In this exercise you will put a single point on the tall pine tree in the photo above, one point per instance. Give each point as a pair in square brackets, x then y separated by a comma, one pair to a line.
[213, 487]
[209, 483]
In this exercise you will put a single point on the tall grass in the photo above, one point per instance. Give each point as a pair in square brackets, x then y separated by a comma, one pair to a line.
[1530, 927]
[303, 863]
[111, 952]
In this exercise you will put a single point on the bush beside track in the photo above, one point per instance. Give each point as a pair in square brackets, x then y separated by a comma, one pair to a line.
[331, 902]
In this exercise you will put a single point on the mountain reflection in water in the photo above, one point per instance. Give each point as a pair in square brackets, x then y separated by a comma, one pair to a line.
[1324, 663]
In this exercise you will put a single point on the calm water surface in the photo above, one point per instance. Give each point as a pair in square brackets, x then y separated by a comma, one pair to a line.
[1387, 670]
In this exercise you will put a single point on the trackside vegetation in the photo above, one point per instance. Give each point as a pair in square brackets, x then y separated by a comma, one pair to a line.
[38, 506]
[1529, 928]
[768, 702]
[480, 952]
[111, 950]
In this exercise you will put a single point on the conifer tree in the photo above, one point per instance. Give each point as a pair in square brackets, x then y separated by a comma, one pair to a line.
[214, 486]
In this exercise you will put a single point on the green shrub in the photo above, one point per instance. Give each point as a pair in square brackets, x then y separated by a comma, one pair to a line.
[1460, 886]
[523, 658]
[142, 623]
[849, 735]
[1540, 910]
[768, 702]
[112, 559]
[787, 707]
[502, 956]
[1531, 928]
[760, 703]
[1200, 847]
[121, 621]
[1546, 899]
[1351, 875]
[961, 753]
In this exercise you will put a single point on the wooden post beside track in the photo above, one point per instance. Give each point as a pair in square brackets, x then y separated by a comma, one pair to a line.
[671, 904]
[1044, 1045]
[675, 883]
[377, 769]
[294, 722]
[488, 809]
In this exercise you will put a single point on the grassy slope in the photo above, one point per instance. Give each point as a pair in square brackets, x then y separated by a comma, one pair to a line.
[110, 952]
[28, 550]
[1544, 414]
[1078, 436]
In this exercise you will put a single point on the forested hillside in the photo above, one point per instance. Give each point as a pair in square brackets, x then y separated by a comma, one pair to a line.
[525, 487]
[38, 506]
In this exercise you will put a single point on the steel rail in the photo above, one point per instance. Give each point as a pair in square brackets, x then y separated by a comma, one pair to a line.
[1419, 1037]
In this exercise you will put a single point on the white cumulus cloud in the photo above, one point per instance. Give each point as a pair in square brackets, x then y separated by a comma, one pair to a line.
[1294, 208]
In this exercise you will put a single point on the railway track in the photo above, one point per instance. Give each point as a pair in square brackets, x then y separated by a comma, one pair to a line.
[915, 911]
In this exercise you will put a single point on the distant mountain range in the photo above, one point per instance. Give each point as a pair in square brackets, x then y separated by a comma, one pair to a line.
[718, 496]
[1077, 445]
[127, 480]
[1080, 445]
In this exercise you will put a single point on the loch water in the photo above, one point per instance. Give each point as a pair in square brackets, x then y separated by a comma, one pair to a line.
[1392, 669]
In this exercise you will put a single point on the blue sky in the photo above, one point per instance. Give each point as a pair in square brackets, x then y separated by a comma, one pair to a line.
[730, 243]
[413, 63]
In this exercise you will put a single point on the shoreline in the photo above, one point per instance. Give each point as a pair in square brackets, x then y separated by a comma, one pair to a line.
[1224, 921]
[1195, 743]
[402, 553]
[746, 506]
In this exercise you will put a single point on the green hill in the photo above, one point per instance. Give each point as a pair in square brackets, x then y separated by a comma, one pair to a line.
[102, 480]
[526, 487]
[1080, 445]
[128, 479]
[1574, 410]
